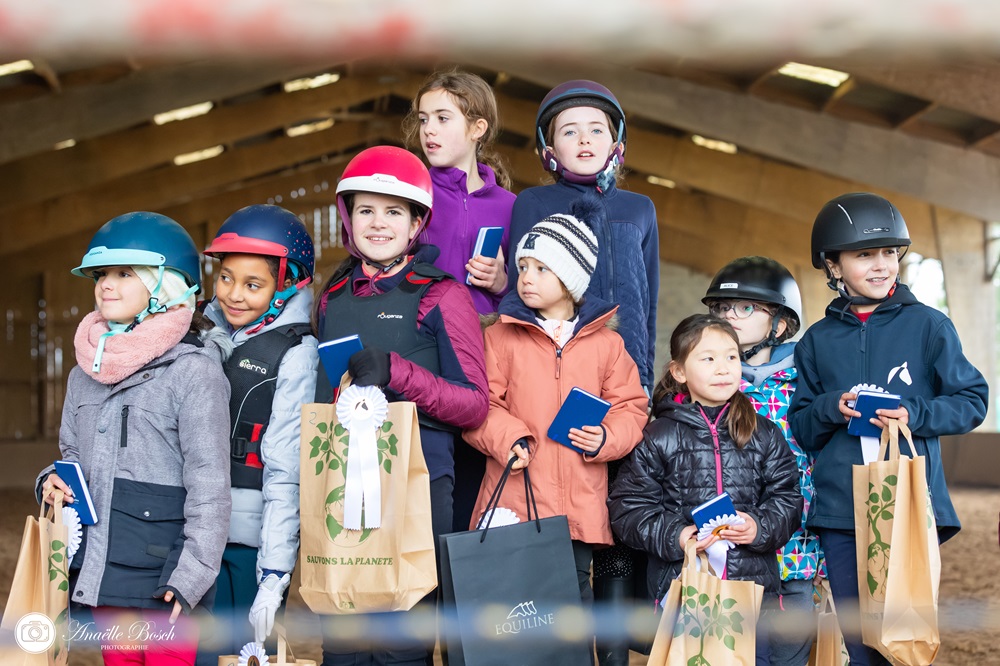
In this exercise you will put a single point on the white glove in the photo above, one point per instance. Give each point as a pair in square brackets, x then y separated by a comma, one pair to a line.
[265, 604]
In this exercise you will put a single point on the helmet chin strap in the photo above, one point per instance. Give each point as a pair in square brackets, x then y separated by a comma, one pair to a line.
[603, 179]
[280, 297]
[770, 341]
[838, 286]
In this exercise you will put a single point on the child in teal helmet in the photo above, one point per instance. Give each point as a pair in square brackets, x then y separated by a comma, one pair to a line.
[262, 300]
[141, 417]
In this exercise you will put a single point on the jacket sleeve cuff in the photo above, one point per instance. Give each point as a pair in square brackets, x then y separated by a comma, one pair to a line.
[604, 440]
[163, 589]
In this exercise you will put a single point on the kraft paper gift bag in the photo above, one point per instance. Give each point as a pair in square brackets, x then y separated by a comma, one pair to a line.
[829, 648]
[707, 620]
[41, 585]
[251, 651]
[366, 538]
[514, 592]
[899, 561]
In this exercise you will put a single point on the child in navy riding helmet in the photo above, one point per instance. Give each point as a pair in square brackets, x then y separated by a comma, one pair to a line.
[262, 300]
[141, 417]
[875, 333]
[581, 137]
[761, 300]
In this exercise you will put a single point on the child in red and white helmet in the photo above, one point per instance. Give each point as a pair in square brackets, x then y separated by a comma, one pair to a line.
[420, 331]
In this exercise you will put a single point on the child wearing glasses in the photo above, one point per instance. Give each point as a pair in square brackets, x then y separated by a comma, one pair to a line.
[760, 299]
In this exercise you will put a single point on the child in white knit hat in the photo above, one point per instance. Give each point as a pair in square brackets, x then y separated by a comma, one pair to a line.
[548, 340]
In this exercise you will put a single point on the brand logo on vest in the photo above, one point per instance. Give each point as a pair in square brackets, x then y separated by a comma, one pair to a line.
[247, 364]
[383, 315]
[524, 616]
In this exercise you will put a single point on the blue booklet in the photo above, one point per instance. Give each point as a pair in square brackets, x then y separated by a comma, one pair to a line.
[487, 245]
[335, 354]
[718, 512]
[71, 473]
[578, 409]
[867, 403]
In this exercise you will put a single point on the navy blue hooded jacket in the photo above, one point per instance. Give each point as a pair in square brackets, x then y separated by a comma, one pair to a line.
[905, 348]
[628, 257]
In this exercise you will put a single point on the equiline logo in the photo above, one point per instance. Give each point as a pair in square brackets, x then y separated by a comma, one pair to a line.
[384, 315]
[522, 617]
[247, 364]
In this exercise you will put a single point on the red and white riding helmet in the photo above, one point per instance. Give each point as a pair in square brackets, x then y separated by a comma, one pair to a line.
[385, 170]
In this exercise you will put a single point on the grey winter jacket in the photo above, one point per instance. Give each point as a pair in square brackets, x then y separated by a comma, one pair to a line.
[677, 466]
[154, 451]
[269, 519]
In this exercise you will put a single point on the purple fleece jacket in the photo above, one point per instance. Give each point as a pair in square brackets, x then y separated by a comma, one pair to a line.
[458, 217]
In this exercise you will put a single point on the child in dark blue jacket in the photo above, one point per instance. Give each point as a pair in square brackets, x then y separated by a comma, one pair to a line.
[877, 333]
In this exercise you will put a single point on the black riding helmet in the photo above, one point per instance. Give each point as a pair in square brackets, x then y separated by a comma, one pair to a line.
[856, 221]
[764, 280]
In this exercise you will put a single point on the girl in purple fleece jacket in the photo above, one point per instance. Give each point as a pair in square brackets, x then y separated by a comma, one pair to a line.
[454, 119]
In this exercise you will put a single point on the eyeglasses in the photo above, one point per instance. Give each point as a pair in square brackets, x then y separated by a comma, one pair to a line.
[742, 309]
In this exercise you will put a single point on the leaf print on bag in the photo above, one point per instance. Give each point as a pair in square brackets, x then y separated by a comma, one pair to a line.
[881, 503]
[703, 617]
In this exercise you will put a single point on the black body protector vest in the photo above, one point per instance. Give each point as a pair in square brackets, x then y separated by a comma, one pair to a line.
[387, 321]
[252, 371]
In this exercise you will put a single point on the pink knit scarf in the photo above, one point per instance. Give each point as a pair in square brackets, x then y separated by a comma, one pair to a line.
[125, 353]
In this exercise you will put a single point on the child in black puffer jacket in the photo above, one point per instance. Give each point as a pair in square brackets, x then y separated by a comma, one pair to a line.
[707, 439]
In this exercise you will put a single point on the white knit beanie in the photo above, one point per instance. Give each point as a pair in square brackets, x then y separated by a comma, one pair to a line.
[567, 246]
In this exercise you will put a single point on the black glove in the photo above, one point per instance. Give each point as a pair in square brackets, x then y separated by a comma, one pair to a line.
[369, 367]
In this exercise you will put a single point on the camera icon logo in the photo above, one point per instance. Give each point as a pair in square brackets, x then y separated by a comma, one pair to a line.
[34, 633]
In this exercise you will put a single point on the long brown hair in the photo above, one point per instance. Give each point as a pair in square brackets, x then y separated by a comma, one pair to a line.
[741, 419]
[475, 99]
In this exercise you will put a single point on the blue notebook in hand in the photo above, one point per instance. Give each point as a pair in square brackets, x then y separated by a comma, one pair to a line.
[867, 403]
[578, 409]
[719, 510]
[335, 354]
[487, 245]
[72, 474]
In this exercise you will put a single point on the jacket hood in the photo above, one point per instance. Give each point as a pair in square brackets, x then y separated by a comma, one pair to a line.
[679, 408]
[592, 309]
[297, 310]
[841, 307]
[782, 358]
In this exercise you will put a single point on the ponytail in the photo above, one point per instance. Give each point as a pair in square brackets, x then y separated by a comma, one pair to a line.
[741, 419]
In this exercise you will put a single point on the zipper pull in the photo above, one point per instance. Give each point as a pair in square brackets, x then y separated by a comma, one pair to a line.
[558, 361]
[123, 441]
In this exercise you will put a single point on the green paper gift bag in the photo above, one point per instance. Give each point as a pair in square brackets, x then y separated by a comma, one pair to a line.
[899, 563]
[386, 568]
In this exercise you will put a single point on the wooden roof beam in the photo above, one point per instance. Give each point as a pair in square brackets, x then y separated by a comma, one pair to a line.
[160, 188]
[940, 174]
[85, 112]
[92, 162]
[774, 187]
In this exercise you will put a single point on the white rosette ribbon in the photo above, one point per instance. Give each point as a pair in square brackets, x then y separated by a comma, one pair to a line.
[869, 445]
[362, 411]
[717, 552]
[501, 516]
[252, 654]
[74, 532]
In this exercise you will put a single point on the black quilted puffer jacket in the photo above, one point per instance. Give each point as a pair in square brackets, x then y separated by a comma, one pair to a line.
[674, 470]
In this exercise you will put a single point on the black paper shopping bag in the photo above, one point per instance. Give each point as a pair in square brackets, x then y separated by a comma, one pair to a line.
[512, 593]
